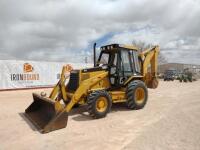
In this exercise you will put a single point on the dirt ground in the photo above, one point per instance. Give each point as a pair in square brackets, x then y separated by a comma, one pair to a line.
[170, 120]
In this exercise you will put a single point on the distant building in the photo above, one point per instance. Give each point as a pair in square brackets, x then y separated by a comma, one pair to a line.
[179, 67]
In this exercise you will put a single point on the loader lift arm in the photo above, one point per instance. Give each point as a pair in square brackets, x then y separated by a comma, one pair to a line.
[48, 114]
[83, 89]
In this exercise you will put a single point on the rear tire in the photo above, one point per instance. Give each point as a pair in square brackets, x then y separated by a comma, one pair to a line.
[137, 95]
[99, 104]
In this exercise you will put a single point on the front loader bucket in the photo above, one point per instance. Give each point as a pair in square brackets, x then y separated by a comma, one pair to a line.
[43, 115]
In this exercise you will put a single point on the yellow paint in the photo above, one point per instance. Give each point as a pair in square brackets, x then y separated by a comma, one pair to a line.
[58, 106]
[101, 104]
[139, 95]
[131, 47]
[132, 78]
[118, 96]
[149, 57]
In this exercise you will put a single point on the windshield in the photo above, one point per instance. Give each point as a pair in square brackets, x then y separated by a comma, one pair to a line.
[104, 58]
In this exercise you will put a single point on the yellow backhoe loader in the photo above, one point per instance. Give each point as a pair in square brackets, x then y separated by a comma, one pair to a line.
[121, 74]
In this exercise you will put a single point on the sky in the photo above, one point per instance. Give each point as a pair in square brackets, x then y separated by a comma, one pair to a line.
[65, 30]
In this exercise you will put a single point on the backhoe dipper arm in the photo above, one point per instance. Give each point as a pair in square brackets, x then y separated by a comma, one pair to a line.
[150, 57]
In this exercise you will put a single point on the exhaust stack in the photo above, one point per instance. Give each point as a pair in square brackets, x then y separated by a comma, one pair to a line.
[94, 53]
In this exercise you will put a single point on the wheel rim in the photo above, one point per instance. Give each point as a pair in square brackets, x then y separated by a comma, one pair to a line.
[101, 104]
[139, 95]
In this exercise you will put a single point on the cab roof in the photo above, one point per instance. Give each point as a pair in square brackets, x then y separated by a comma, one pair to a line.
[116, 46]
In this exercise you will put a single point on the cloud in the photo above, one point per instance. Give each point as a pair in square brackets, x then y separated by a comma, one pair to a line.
[63, 30]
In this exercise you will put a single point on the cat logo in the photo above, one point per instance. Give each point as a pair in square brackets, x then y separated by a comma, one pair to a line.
[28, 68]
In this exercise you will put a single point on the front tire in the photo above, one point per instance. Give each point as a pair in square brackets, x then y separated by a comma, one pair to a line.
[99, 104]
[137, 95]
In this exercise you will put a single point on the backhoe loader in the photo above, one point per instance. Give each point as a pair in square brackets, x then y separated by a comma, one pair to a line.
[120, 74]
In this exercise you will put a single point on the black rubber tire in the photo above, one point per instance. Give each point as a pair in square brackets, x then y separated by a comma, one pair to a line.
[91, 103]
[131, 102]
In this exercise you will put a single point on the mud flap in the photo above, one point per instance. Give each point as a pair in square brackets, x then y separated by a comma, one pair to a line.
[43, 115]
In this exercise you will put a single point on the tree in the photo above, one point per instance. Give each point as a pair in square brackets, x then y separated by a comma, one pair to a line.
[141, 45]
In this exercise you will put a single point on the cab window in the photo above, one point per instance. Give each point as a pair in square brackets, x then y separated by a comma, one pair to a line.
[125, 64]
[104, 59]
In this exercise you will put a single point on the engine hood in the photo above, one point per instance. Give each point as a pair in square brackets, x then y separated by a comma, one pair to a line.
[93, 69]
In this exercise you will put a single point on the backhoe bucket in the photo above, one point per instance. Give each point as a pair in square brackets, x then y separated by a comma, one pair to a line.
[43, 115]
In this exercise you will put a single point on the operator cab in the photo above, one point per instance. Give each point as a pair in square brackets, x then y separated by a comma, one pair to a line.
[121, 62]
